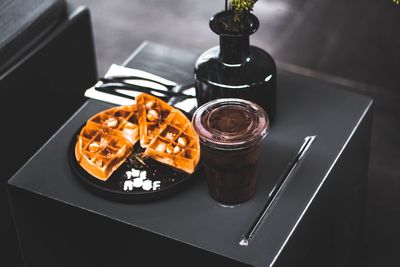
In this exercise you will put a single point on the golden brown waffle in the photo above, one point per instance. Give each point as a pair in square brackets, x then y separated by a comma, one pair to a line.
[107, 140]
[177, 143]
[153, 113]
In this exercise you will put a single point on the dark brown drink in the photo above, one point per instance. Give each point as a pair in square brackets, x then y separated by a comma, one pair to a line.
[230, 131]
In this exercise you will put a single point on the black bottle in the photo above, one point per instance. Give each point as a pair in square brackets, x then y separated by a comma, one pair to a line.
[234, 68]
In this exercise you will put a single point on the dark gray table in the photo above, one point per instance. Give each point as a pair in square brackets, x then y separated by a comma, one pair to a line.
[316, 219]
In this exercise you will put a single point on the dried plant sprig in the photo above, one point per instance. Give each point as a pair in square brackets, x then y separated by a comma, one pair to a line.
[241, 7]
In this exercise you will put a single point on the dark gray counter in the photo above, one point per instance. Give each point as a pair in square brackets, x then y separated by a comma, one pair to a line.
[316, 219]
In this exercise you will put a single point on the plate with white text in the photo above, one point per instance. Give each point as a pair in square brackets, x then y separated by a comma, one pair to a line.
[138, 179]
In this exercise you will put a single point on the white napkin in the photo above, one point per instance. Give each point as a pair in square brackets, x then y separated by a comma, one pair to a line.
[116, 70]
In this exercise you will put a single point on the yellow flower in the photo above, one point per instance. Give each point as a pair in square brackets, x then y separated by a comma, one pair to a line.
[240, 6]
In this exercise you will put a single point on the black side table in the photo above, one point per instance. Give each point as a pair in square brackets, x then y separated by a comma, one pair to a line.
[316, 219]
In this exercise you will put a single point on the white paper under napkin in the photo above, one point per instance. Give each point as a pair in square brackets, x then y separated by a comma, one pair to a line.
[116, 70]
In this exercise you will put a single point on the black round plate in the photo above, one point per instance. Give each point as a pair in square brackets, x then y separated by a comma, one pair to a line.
[171, 180]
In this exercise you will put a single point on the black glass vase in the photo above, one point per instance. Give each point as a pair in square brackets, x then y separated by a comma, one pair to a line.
[234, 68]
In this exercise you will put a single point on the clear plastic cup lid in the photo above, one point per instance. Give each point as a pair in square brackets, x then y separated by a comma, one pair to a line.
[230, 123]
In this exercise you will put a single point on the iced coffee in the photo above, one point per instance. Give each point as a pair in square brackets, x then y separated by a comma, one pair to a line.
[231, 131]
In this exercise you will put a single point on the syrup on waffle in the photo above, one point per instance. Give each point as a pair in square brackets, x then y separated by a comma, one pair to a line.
[107, 140]
[177, 143]
[153, 114]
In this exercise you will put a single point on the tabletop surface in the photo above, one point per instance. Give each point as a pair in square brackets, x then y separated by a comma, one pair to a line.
[305, 107]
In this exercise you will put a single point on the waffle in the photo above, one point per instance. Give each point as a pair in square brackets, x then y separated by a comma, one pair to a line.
[177, 144]
[107, 140]
[153, 113]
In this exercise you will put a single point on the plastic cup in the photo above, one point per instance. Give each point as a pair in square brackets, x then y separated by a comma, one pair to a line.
[231, 131]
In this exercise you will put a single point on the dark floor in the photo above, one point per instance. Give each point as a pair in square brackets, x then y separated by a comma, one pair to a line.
[357, 40]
